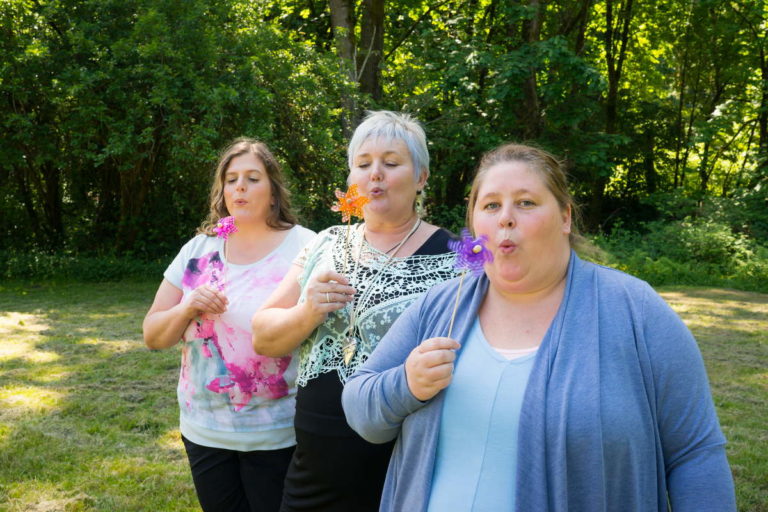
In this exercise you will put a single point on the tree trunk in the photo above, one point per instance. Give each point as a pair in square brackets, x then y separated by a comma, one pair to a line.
[343, 26]
[649, 163]
[530, 114]
[704, 170]
[762, 121]
[615, 53]
[371, 46]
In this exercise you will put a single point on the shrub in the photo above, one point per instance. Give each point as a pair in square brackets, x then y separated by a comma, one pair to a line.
[45, 266]
[700, 252]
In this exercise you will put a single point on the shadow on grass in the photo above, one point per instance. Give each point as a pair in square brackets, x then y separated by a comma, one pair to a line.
[88, 415]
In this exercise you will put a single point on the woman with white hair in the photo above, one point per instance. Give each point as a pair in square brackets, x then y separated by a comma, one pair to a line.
[344, 291]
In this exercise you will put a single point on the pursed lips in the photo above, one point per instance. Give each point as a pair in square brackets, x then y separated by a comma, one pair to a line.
[504, 241]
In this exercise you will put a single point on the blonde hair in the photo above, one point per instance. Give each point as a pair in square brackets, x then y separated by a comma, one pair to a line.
[545, 164]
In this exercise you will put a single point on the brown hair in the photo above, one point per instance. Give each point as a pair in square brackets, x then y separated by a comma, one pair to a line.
[280, 217]
[545, 164]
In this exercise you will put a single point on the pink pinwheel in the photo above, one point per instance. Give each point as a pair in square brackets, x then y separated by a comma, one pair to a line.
[225, 227]
[471, 255]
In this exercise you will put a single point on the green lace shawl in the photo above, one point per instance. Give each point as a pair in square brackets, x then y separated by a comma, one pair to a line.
[385, 295]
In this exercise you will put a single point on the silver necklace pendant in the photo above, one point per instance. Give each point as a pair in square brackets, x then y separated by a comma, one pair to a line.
[348, 349]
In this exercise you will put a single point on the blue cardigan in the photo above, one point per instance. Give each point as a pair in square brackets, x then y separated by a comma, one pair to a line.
[617, 414]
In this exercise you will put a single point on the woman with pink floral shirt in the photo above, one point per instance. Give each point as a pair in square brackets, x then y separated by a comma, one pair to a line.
[236, 407]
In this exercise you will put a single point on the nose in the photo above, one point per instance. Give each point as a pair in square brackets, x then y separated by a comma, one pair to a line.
[240, 184]
[377, 171]
[507, 218]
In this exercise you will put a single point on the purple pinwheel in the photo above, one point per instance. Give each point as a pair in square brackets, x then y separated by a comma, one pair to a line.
[471, 253]
[225, 227]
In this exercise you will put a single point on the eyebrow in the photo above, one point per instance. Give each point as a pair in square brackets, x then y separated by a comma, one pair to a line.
[231, 173]
[494, 193]
[387, 153]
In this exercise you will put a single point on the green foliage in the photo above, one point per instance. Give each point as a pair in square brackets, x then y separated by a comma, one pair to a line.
[38, 265]
[698, 252]
[132, 101]
[112, 112]
[451, 218]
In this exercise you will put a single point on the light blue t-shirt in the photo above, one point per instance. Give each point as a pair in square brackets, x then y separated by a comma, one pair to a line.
[476, 457]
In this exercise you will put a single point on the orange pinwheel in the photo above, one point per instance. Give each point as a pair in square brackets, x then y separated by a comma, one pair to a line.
[349, 203]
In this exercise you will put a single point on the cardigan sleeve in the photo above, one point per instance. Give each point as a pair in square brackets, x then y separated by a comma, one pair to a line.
[698, 475]
[376, 399]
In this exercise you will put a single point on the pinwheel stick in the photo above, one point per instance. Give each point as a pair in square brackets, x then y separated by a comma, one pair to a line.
[346, 246]
[456, 304]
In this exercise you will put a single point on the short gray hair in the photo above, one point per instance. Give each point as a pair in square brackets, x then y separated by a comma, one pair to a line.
[392, 125]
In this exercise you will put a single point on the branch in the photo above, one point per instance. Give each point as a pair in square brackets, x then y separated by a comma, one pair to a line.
[365, 60]
[413, 27]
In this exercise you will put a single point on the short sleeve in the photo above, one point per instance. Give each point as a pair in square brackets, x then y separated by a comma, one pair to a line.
[301, 258]
[174, 274]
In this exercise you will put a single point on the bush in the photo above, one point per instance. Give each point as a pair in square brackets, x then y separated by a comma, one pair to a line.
[699, 252]
[44, 266]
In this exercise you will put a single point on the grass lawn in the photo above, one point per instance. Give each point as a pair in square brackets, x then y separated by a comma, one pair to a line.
[88, 416]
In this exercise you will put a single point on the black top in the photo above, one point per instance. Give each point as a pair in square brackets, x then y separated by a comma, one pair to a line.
[318, 404]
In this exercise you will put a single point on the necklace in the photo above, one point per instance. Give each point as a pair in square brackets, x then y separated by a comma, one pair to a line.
[349, 346]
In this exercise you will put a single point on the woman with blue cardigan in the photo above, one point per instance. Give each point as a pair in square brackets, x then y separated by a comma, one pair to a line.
[566, 386]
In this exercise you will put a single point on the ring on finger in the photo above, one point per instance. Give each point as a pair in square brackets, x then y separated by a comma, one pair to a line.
[327, 297]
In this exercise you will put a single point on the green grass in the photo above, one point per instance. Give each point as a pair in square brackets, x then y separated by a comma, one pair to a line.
[88, 416]
[732, 330]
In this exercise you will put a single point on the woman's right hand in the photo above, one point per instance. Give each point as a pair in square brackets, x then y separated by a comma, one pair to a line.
[206, 299]
[429, 367]
[328, 291]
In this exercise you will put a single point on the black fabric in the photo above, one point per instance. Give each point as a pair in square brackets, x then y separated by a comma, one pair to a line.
[334, 469]
[335, 473]
[233, 481]
[318, 404]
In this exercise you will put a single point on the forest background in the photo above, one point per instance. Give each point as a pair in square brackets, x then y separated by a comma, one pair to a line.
[113, 112]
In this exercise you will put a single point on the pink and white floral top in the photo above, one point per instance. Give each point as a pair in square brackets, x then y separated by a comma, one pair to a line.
[230, 397]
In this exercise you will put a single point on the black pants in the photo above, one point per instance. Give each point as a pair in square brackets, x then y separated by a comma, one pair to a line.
[232, 481]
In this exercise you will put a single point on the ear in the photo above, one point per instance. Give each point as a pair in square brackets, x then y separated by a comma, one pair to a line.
[422, 181]
[567, 220]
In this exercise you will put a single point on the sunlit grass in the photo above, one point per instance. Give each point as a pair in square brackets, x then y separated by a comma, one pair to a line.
[89, 421]
[28, 398]
[88, 416]
[732, 330]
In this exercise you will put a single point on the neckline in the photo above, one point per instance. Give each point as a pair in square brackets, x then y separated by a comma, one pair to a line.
[266, 256]
[522, 354]
[395, 248]
[349, 347]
